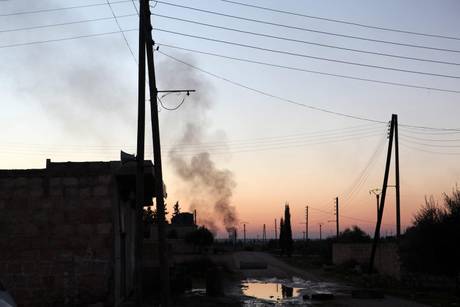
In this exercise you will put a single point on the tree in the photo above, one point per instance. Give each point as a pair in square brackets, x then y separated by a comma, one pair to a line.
[176, 209]
[289, 243]
[281, 239]
[148, 215]
[354, 235]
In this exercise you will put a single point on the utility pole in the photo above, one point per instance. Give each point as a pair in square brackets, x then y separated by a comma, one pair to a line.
[398, 213]
[264, 234]
[320, 231]
[276, 231]
[140, 159]
[244, 233]
[146, 46]
[376, 192]
[384, 192]
[306, 223]
[337, 216]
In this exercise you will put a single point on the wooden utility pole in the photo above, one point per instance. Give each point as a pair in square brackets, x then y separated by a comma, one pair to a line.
[384, 192]
[264, 234]
[276, 230]
[320, 231]
[146, 46]
[306, 223]
[244, 233]
[376, 192]
[337, 216]
[163, 249]
[140, 200]
[398, 213]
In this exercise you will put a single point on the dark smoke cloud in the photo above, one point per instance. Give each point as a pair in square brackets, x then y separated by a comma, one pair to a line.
[209, 187]
[82, 85]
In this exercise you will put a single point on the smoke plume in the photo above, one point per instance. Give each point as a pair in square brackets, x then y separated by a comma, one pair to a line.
[209, 187]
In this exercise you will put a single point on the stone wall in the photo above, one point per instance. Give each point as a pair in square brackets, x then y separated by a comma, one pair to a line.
[386, 257]
[56, 234]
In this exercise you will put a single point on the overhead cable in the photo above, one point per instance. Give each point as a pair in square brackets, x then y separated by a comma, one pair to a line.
[60, 8]
[306, 42]
[312, 71]
[293, 102]
[64, 23]
[343, 21]
[63, 39]
[308, 29]
[302, 55]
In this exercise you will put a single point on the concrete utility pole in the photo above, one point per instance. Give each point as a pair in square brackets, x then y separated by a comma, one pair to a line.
[384, 192]
[337, 216]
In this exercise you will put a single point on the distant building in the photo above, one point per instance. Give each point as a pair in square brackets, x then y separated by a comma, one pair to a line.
[67, 232]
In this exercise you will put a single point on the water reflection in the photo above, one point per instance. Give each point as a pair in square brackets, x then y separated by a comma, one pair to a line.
[272, 291]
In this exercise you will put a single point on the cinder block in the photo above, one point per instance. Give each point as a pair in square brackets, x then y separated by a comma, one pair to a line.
[30, 229]
[105, 179]
[85, 229]
[70, 181]
[104, 228]
[55, 182]
[71, 192]
[20, 181]
[56, 191]
[85, 192]
[36, 192]
[104, 203]
[101, 190]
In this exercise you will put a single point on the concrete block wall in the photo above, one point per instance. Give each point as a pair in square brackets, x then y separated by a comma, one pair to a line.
[386, 258]
[56, 236]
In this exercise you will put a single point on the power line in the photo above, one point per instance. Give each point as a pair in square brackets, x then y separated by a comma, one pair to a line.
[290, 101]
[308, 29]
[171, 109]
[431, 151]
[314, 134]
[122, 33]
[428, 140]
[356, 186]
[302, 55]
[182, 152]
[429, 145]
[63, 39]
[419, 131]
[65, 23]
[60, 8]
[306, 42]
[311, 71]
[343, 21]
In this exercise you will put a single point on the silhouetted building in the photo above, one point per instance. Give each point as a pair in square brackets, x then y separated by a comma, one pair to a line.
[183, 219]
[67, 232]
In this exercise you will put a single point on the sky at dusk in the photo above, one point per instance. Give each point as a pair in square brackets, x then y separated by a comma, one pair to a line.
[76, 100]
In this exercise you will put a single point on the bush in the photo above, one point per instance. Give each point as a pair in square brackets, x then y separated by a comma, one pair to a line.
[432, 244]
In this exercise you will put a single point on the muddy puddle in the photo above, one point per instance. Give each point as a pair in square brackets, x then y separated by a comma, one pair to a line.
[284, 292]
